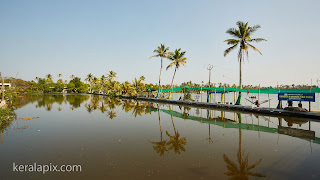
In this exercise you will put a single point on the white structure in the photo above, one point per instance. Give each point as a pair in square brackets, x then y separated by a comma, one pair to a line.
[5, 85]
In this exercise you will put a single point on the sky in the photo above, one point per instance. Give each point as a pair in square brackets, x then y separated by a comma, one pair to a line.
[78, 37]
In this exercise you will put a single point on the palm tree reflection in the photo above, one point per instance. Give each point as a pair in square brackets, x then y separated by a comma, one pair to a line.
[243, 171]
[176, 143]
[161, 146]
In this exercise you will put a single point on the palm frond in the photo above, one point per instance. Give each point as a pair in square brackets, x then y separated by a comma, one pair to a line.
[234, 32]
[257, 40]
[254, 48]
[253, 29]
[227, 51]
[170, 65]
[254, 165]
[157, 55]
[232, 41]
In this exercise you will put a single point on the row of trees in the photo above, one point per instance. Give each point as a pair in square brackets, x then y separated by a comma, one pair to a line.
[108, 84]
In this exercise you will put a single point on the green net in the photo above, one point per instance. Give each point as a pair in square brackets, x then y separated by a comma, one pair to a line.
[262, 91]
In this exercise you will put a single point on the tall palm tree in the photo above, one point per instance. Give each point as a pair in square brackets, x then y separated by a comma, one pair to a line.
[94, 81]
[178, 60]
[102, 81]
[162, 52]
[242, 37]
[89, 79]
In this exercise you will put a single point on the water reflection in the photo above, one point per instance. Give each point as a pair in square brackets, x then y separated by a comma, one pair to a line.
[221, 140]
[161, 146]
[242, 170]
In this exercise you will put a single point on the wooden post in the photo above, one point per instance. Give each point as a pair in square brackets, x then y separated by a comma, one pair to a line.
[224, 93]
[234, 97]
[309, 125]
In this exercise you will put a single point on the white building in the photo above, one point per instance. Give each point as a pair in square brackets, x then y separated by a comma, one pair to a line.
[5, 85]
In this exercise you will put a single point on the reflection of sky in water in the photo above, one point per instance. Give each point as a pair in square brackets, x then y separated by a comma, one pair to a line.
[121, 148]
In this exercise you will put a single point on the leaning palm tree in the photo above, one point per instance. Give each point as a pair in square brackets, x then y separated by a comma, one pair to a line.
[178, 60]
[243, 39]
[162, 52]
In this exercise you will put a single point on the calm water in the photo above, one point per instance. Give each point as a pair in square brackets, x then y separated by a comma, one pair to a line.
[126, 139]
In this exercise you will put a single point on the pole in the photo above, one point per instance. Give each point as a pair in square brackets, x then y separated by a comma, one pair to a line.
[259, 94]
[224, 93]
[310, 101]
[201, 93]
[209, 69]
[2, 87]
[269, 97]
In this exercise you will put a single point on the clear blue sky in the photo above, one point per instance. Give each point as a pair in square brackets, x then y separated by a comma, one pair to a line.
[80, 37]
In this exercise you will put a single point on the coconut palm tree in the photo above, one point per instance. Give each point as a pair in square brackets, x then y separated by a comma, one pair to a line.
[138, 84]
[112, 75]
[72, 76]
[94, 81]
[242, 37]
[102, 81]
[178, 60]
[89, 79]
[162, 52]
[49, 77]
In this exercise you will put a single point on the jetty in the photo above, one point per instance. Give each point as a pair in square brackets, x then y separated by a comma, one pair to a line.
[260, 110]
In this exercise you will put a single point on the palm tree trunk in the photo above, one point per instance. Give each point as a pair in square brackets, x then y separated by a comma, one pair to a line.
[160, 78]
[240, 134]
[174, 74]
[240, 71]
[160, 123]
[174, 127]
[240, 77]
